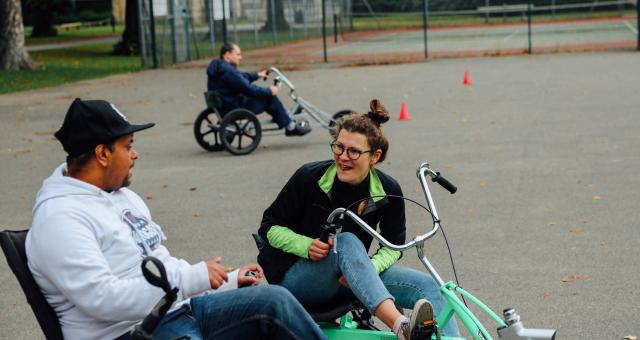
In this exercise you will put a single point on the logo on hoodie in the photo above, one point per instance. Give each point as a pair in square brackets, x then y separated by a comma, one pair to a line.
[145, 235]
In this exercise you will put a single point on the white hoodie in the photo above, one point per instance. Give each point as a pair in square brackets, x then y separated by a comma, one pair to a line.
[84, 250]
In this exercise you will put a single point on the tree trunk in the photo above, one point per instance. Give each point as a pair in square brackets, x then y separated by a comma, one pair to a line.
[130, 43]
[280, 22]
[13, 53]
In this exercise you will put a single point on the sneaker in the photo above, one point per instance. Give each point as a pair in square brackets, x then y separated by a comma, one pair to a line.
[301, 129]
[422, 315]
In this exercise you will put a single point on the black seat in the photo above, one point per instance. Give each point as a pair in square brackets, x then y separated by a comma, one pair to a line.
[329, 312]
[13, 245]
[213, 100]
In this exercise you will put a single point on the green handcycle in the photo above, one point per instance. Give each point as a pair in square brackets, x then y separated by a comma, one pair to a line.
[357, 325]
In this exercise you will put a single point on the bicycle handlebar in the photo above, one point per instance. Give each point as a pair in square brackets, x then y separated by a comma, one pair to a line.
[418, 240]
[282, 78]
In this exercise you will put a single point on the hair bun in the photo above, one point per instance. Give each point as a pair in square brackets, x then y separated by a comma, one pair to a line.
[378, 113]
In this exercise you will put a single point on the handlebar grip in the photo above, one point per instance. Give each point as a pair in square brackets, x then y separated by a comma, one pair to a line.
[324, 236]
[444, 183]
[151, 321]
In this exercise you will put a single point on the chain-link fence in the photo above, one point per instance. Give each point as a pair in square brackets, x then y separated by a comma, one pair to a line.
[190, 29]
[383, 30]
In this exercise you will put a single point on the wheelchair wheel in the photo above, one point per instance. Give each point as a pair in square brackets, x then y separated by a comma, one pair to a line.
[206, 128]
[240, 131]
[339, 115]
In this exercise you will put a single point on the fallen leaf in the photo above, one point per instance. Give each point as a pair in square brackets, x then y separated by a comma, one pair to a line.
[193, 189]
[483, 184]
[221, 195]
[165, 186]
[572, 278]
[576, 231]
[196, 215]
[597, 198]
[552, 223]
[546, 172]
[584, 221]
[149, 197]
[630, 337]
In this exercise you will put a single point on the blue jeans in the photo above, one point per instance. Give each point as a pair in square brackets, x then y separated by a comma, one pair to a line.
[315, 282]
[262, 312]
[272, 105]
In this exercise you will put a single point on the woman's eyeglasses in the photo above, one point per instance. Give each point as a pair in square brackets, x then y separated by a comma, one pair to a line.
[352, 153]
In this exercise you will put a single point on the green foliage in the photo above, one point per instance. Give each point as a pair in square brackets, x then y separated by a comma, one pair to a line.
[83, 16]
[68, 65]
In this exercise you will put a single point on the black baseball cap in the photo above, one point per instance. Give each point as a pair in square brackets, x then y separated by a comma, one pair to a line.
[89, 123]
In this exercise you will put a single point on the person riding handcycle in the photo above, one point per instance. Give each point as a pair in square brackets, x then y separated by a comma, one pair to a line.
[317, 271]
[236, 89]
[90, 234]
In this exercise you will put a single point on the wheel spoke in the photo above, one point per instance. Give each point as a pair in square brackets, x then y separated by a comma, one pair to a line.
[206, 133]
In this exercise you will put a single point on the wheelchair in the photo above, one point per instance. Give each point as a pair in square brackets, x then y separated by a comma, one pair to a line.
[239, 131]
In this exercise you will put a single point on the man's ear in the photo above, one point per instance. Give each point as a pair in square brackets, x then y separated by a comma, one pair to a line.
[103, 154]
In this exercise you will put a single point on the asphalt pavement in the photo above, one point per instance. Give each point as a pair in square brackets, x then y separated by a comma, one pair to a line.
[544, 150]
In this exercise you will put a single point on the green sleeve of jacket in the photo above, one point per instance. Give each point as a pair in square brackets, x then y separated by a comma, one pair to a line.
[288, 241]
[385, 258]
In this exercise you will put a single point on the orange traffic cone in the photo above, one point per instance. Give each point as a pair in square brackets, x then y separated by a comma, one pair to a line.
[467, 79]
[404, 114]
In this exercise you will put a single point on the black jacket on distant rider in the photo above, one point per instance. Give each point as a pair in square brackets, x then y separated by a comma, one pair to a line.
[232, 84]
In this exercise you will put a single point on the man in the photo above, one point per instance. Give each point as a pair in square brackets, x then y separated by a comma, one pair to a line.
[90, 233]
[237, 90]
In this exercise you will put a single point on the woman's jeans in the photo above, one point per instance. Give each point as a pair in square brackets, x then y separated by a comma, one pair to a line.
[261, 312]
[315, 282]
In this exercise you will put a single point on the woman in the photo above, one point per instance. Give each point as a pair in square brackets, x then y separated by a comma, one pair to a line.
[297, 259]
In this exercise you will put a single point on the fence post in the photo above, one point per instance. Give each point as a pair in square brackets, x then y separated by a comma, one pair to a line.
[212, 26]
[425, 23]
[486, 13]
[233, 11]
[224, 23]
[529, 22]
[256, 3]
[174, 47]
[292, 14]
[143, 45]
[274, 34]
[324, 30]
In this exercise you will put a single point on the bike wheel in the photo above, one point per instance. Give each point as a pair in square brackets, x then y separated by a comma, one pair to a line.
[206, 128]
[240, 132]
[339, 115]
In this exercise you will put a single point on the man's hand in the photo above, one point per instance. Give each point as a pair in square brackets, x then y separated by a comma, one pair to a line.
[263, 74]
[217, 272]
[319, 250]
[274, 90]
[244, 280]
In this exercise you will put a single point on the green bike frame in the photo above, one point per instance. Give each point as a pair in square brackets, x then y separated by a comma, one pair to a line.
[512, 329]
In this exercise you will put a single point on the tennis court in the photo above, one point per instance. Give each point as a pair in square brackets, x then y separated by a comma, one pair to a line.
[495, 39]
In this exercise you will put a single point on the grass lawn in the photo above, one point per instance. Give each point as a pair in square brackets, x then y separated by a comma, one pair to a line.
[73, 34]
[68, 65]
